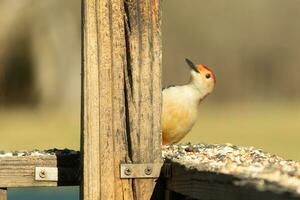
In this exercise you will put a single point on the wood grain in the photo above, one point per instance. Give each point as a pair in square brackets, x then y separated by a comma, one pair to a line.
[121, 95]
[18, 171]
[143, 86]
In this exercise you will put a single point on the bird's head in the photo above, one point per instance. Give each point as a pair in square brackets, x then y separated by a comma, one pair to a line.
[202, 77]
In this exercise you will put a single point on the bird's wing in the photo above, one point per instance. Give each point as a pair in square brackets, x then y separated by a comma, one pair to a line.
[169, 86]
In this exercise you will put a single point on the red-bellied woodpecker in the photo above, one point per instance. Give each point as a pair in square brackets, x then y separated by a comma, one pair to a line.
[180, 103]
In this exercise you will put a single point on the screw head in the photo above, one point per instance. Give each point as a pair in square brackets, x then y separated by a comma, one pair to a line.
[127, 171]
[42, 173]
[148, 170]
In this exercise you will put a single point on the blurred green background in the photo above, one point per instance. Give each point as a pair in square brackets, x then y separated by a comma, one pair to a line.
[253, 47]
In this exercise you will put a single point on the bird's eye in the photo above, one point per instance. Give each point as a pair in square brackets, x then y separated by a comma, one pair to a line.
[207, 76]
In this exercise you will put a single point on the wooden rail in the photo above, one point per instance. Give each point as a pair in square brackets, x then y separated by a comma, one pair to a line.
[206, 172]
[17, 169]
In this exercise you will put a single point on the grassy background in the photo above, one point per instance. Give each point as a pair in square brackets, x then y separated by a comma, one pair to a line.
[274, 127]
[33, 129]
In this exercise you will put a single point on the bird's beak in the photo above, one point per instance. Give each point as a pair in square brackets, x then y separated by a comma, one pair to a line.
[192, 65]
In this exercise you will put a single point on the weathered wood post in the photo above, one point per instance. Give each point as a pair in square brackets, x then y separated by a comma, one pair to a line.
[121, 96]
[3, 194]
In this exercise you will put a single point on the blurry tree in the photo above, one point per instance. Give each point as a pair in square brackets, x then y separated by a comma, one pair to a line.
[253, 47]
[40, 52]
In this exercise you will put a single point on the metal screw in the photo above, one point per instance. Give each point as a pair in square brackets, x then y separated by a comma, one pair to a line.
[42, 173]
[148, 170]
[127, 171]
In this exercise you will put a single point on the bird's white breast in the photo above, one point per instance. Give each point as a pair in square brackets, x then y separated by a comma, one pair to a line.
[179, 112]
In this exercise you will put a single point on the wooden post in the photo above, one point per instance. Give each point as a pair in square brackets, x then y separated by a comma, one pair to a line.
[121, 95]
[3, 194]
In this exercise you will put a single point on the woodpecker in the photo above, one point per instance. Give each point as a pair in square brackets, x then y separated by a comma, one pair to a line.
[180, 103]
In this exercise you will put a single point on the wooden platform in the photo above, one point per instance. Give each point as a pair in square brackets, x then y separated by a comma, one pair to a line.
[227, 171]
[202, 171]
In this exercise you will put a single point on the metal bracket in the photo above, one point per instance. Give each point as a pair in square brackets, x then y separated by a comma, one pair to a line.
[150, 170]
[46, 174]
